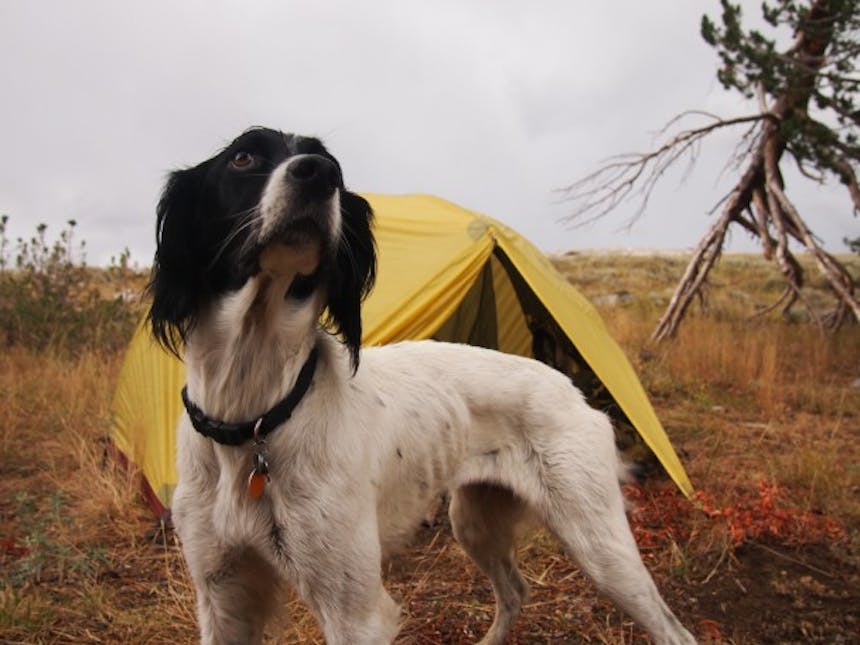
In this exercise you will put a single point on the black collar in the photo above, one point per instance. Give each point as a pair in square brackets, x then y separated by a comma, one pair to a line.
[235, 434]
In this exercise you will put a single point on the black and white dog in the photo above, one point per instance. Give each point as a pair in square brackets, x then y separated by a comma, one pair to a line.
[304, 460]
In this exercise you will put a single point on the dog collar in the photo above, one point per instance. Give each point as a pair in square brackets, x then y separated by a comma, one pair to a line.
[235, 434]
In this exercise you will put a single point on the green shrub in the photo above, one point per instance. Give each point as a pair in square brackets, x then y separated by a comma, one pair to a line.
[50, 299]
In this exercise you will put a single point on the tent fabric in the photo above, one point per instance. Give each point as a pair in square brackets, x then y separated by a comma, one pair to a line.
[145, 412]
[444, 272]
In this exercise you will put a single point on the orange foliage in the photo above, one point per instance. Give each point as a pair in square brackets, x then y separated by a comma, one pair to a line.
[662, 516]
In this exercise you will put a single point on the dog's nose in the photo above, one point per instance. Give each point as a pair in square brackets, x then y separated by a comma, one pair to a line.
[314, 175]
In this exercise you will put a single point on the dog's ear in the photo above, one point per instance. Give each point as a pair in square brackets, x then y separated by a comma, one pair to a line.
[176, 283]
[354, 271]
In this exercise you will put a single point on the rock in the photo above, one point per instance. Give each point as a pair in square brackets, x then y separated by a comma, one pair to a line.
[612, 299]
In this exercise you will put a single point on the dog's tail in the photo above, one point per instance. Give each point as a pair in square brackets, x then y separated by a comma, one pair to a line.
[629, 472]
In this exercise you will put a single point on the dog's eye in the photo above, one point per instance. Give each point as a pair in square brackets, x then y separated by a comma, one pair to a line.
[242, 160]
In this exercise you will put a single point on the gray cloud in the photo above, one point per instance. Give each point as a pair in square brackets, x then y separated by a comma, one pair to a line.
[493, 105]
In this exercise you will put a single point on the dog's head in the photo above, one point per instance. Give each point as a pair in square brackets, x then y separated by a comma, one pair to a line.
[268, 202]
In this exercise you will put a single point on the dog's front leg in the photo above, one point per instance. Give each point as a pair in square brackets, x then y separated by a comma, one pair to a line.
[368, 616]
[340, 578]
[234, 600]
[235, 587]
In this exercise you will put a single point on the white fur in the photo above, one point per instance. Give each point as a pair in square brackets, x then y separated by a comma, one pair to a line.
[277, 199]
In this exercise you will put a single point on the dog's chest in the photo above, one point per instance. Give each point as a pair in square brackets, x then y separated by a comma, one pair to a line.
[309, 486]
[237, 516]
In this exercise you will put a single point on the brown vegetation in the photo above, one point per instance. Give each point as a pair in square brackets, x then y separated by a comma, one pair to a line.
[762, 411]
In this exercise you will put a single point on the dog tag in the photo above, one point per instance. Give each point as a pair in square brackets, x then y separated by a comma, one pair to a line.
[259, 477]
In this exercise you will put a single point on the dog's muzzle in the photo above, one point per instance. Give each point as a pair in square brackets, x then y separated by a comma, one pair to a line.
[300, 215]
[299, 202]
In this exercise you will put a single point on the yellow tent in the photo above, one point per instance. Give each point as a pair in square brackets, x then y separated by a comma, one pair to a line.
[445, 273]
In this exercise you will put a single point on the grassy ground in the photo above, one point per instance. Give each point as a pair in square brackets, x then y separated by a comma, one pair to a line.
[763, 412]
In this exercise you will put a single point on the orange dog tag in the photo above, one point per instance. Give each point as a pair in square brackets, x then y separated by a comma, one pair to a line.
[257, 484]
[259, 477]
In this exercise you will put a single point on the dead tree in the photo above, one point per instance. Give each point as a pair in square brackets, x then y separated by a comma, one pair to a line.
[797, 90]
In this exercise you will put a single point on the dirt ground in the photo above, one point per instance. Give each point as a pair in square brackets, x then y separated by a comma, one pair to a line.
[125, 581]
[759, 594]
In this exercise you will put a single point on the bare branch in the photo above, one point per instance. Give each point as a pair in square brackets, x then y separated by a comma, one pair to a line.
[810, 173]
[624, 176]
[760, 209]
[708, 250]
[839, 165]
[700, 264]
[842, 167]
[788, 265]
[787, 293]
[839, 279]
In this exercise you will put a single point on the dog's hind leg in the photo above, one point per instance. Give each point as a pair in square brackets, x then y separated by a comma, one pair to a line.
[607, 553]
[586, 513]
[485, 518]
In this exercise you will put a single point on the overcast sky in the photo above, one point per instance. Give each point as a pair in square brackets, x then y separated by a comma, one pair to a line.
[491, 104]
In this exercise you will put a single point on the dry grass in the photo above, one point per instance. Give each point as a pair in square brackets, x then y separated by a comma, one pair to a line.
[82, 559]
[779, 388]
[77, 563]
